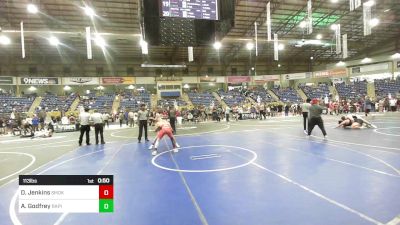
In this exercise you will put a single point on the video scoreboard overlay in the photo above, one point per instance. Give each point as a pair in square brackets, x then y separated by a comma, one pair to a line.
[66, 194]
[195, 9]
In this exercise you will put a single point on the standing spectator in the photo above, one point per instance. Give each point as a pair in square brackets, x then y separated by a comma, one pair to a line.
[143, 116]
[106, 119]
[172, 118]
[304, 108]
[287, 109]
[2, 126]
[126, 117]
[98, 121]
[367, 105]
[121, 118]
[35, 123]
[227, 113]
[84, 119]
[131, 117]
[393, 103]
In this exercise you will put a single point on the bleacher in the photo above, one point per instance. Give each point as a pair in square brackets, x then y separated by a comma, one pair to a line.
[133, 101]
[20, 104]
[170, 102]
[200, 99]
[319, 91]
[352, 91]
[264, 96]
[57, 103]
[232, 98]
[385, 86]
[102, 104]
[287, 95]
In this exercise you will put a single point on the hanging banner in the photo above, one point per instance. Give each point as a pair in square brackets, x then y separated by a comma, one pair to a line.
[345, 52]
[269, 21]
[190, 54]
[80, 80]
[309, 17]
[22, 40]
[276, 50]
[88, 43]
[7, 80]
[238, 79]
[367, 19]
[296, 76]
[338, 40]
[266, 78]
[117, 80]
[39, 81]
[255, 35]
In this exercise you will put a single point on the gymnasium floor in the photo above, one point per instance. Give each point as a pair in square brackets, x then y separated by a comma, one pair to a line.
[247, 172]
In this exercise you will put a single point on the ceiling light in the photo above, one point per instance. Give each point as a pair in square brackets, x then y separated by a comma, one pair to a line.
[89, 11]
[87, 91]
[340, 63]
[32, 88]
[303, 24]
[279, 65]
[319, 36]
[369, 3]
[281, 47]
[249, 46]
[386, 10]
[334, 26]
[131, 87]
[54, 41]
[334, 1]
[217, 45]
[374, 22]
[252, 68]
[32, 8]
[396, 56]
[67, 88]
[186, 86]
[312, 58]
[366, 60]
[100, 41]
[4, 40]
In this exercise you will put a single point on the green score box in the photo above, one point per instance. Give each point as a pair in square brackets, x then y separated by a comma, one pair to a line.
[106, 205]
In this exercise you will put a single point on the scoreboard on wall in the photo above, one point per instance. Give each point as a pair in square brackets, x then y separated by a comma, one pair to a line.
[194, 9]
[66, 193]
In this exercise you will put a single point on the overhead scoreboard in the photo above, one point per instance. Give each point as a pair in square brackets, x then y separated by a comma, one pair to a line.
[66, 194]
[194, 9]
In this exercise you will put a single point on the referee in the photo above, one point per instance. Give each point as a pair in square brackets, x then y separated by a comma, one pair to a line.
[143, 116]
[84, 118]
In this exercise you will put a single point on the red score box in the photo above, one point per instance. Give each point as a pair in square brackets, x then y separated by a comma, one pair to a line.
[106, 192]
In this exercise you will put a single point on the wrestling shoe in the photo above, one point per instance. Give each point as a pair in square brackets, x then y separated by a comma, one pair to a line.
[153, 153]
[177, 145]
[151, 147]
[175, 150]
[305, 132]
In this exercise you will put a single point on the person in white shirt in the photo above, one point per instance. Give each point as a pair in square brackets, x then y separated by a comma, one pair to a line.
[98, 121]
[84, 118]
[131, 118]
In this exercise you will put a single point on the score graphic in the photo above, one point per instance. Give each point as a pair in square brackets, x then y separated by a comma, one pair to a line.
[66, 194]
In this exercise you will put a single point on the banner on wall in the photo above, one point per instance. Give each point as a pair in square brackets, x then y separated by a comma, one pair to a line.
[331, 73]
[117, 80]
[266, 78]
[7, 80]
[296, 76]
[238, 79]
[39, 81]
[169, 78]
[208, 79]
[80, 80]
[370, 68]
